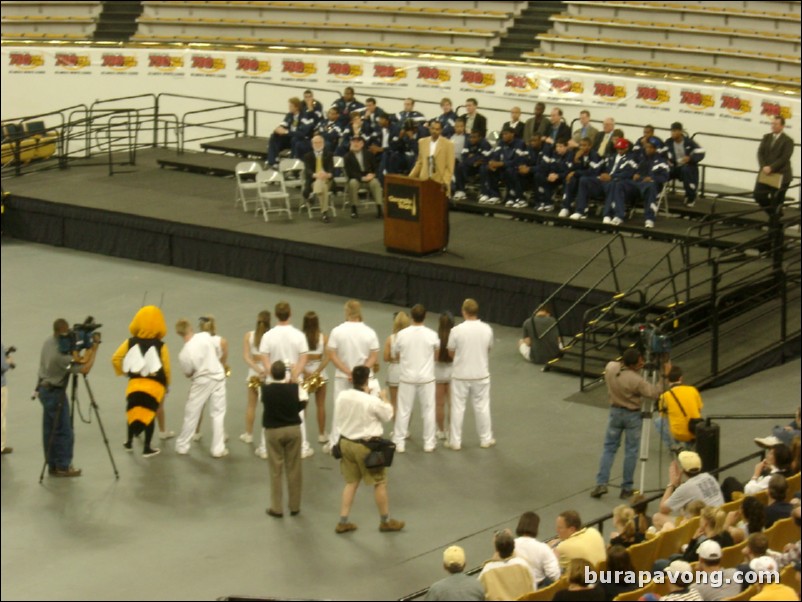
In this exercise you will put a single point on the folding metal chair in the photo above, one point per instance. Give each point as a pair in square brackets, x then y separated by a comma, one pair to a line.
[271, 188]
[245, 176]
[292, 171]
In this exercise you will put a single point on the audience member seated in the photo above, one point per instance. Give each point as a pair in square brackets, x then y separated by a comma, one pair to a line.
[626, 530]
[578, 588]
[404, 148]
[330, 129]
[515, 123]
[448, 120]
[458, 585]
[612, 170]
[370, 115]
[473, 119]
[541, 337]
[698, 486]
[680, 575]
[777, 461]
[712, 527]
[575, 542]
[603, 144]
[648, 136]
[537, 125]
[409, 113]
[792, 552]
[583, 162]
[710, 562]
[360, 169]
[356, 127]
[502, 166]
[641, 508]
[381, 139]
[288, 134]
[557, 128]
[538, 555]
[770, 591]
[618, 559]
[683, 156]
[554, 167]
[347, 104]
[319, 174]
[505, 576]
[585, 130]
[749, 518]
[782, 434]
[458, 139]
[777, 508]
[757, 546]
[475, 156]
[651, 173]
[675, 408]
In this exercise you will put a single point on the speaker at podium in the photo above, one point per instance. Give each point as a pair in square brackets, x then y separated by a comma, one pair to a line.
[415, 215]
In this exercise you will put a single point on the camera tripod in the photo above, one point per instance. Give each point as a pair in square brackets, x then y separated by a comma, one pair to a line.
[653, 370]
[93, 407]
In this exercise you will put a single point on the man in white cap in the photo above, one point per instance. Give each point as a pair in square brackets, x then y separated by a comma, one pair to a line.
[458, 585]
[698, 486]
[680, 582]
[770, 588]
[720, 583]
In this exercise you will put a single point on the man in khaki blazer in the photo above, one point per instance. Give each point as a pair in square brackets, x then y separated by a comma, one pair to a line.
[441, 152]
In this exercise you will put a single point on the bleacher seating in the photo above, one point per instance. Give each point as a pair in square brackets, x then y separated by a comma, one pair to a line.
[743, 40]
[405, 27]
[49, 20]
[26, 142]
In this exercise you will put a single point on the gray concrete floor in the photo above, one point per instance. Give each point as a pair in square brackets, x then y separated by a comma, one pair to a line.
[194, 527]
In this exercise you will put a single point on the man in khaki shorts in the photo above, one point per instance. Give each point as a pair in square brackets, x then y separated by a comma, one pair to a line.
[358, 416]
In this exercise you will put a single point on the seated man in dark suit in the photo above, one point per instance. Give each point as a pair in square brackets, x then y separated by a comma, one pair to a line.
[360, 169]
[319, 170]
[515, 123]
[603, 144]
[473, 119]
[557, 129]
[778, 508]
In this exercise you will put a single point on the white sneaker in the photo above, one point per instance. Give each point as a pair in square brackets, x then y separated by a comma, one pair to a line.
[166, 434]
[428, 450]
[617, 221]
[307, 453]
[327, 448]
[565, 213]
[540, 207]
[400, 449]
[246, 438]
[576, 216]
[509, 203]
[483, 198]
[547, 207]
[222, 454]
[520, 204]
[493, 200]
[197, 437]
[607, 220]
[459, 195]
[323, 438]
[452, 447]
[649, 224]
[261, 452]
[441, 435]
[488, 444]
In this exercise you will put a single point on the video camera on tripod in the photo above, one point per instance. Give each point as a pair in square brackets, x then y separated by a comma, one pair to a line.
[80, 336]
[652, 342]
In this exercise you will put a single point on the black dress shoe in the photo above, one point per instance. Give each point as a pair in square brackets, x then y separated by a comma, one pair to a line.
[325, 219]
[294, 512]
[379, 212]
[626, 494]
[354, 213]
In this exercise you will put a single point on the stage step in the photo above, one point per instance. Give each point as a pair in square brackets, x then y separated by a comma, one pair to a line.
[204, 163]
[242, 146]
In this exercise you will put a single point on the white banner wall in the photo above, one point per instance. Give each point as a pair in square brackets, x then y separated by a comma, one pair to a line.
[37, 80]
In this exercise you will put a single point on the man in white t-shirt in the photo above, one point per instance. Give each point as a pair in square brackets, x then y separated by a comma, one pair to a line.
[287, 344]
[416, 347]
[469, 345]
[351, 344]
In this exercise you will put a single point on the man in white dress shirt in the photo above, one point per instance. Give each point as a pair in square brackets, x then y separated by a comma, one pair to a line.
[286, 343]
[358, 416]
[199, 361]
[469, 345]
[416, 347]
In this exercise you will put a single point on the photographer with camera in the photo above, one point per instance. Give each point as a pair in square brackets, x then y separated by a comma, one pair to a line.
[67, 352]
[680, 410]
[7, 364]
[626, 388]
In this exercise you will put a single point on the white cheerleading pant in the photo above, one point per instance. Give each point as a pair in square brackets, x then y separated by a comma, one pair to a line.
[406, 399]
[478, 391]
[200, 391]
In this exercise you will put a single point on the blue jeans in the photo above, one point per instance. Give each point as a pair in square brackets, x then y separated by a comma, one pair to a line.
[59, 418]
[621, 421]
[661, 424]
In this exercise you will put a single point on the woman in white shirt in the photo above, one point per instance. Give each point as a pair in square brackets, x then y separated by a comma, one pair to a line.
[256, 371]
[400, 322]
[316, 363]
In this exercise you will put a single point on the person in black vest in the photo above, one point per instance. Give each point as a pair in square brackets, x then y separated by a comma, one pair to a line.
[282, 423]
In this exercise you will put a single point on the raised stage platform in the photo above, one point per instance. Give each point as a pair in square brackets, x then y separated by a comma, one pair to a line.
[508, 262]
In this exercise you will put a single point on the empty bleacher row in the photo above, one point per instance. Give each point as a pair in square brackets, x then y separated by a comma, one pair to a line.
[742, 40]
[49, 20]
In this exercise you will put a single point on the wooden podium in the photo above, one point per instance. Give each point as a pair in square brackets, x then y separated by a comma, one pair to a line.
[415, 215]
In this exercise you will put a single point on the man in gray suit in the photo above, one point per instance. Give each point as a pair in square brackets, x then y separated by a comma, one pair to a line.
[774, 157]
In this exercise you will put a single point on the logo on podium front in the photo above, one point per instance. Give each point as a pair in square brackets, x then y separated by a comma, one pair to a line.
[403, 202]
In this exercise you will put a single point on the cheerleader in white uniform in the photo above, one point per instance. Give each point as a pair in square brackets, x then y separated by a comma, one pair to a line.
[256, 375]
[207, 324]
[316, 362]
[400, 321]
[442, 374]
